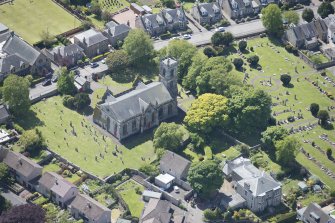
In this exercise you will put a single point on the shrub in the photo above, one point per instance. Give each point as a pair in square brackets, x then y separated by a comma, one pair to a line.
[138, 190]
[285, 79]
[252, 49]
[165, 36]
[197, 141]
[209, 52]
[253, 60]
[208, 153]
[97, 58]
[68, 101]
[242, 45]
[18, 128]
[289, 48]
[329, 153]
[212, 214]
[238, 63]
[314, 108]
[201, 158]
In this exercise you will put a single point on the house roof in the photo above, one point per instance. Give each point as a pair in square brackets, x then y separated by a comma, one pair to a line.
[169, 61]
[67, 50]
[15, 45]
[3, 112]
[21, 164]
[3, 28]
[314, 213]
[56, 183]
[80, 80]
[91, 37]
[152, 21]
[117, 30]
[175, 163]
[157, 211]
[152, 194]
[10, 62]
[261, 184]
[165, 178]
[89, 207]
[110, 24]
[208, 9]
[136, 101]
[174, 15]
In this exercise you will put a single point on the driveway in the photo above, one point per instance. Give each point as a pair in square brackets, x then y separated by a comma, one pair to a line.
[13, 198]
[87, 71]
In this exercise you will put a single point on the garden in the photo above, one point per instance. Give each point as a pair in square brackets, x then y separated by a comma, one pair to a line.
[30, 18]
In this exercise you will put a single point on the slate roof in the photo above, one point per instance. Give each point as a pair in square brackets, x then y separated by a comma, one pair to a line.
[21, 164]
[156, 211]
[208, 9]
[174, 15]
[67, 50]
[91, 37]
[110, 24]
[175, 163]
[169, 61]
[310, 30]
[259, 182]
[136, 101]
[240, 4]
[117, 30]
[15, 45]
[88, 206]
[3, 28]
[11, 61]
[314, 212]
[3, 112]
[153, 21]
[56, 183]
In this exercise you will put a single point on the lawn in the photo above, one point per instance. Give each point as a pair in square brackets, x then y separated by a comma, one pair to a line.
[28, 18]
[84, 145]
[127, 191]
[289, 101]
[51, 167]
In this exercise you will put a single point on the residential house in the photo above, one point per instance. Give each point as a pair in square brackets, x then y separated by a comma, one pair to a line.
[56, 188]
[162, 211]
[93, 42]
[4, 114]
[141, 108]
[241, 8]
[206, 13]
[174, 165]
[166, 20]
[81, 84]
[67, 56]
[307, 36]
[88, 209]
[164, 181]
[18, 57]
[313, 213]
[25, 171]
[257, 188]
[137, 9]
[116, 33]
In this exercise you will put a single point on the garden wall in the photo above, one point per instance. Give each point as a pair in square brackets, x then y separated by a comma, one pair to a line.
[314, 65]
[37, 98]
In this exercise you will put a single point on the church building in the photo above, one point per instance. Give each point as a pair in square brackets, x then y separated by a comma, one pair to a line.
[142, 108]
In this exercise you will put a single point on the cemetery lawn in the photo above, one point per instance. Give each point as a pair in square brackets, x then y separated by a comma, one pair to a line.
[299, 96]
[127, 191]
[113, 5]
[53, 120]
[29, 18]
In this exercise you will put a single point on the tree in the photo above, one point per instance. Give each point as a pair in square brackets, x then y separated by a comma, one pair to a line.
[23, 213]
[217, 39]
[286, 151]
[314, 108]
[15, 93]
[5, 177]
[149, 169]
[95, 8]
[227, 38]
[168, 136]
[168, 3]
[242, 45]
[209, 51]
[308, 15]
[325, 9]
[285, 79]
[207, 112]
[253, 60]
[272, 19]
[238, 63]
[323, 116]
[46, 38]
[117, 61]
[198, 61]
[272, 135]
[329, 153]
[4, 204]
[81, 100]
[292, 17]
[139, 47]
[106, 16]
[205, 178]
[65, 83]
[31, 140]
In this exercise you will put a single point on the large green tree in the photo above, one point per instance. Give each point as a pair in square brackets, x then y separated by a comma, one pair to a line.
[217, 39]
[292, 17]
[5, 177]
[168, 136]
[249, 109]
[325, 9]
[205, 178]
[139, 47]
[15, 93]
[31, 140]
[117, 61]
[65, 83]
[272, 19]
[308, 15]
[272, 135]
[286, 151]
[198, 61]
[323, 116]
[206, 113]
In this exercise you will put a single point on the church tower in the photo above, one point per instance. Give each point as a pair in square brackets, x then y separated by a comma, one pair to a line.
[168, 75]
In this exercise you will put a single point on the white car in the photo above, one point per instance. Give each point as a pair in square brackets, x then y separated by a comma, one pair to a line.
[176, 189]
[103, 61]
[187, 36]
[175, 37]
[219, 29]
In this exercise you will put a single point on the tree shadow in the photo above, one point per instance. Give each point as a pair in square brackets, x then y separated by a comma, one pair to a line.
[290, 85]
[328, 126]
[87, 111]
[123, 77]
[138, 139]
[29, 120]
[275, 40]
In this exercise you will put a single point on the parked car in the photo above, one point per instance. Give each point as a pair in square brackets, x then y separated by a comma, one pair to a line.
[219, 29]
[54, 79]
[175, 37]
[46, 82]
[176, 189]
[103, 61]
[94, 65]
[187, 36]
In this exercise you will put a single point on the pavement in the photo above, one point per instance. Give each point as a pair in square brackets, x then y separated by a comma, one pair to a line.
[13, 198]
[39, 90]
[87, 71]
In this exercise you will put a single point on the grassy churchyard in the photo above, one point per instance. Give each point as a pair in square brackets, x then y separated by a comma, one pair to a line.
[75, 138]
[295, 101]
[28, 18]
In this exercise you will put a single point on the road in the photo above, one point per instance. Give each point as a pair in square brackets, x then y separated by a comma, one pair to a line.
[39, 90]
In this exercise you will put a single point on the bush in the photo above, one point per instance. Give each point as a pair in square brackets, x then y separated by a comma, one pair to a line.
[68, 101]
[165, 36]
[242, 45]
[197, 141]
[138, 190]
[208, 153]
[285, 79]
[253, 60]
[329, 153]
[18, 128]
[238, 63]
[224, 22]
[97, 58]
[212, 214]
[209, 52]
[289, 48]
[314, 108]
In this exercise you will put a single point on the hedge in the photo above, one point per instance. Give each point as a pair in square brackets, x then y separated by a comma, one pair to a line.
[97, 58]
[208, 153]
[165, 36]
[37, 80]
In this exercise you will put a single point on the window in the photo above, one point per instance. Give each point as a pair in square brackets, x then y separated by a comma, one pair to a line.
[160, 113]
[125, 129]
[153, 117]
[170, 109]
[134, 125]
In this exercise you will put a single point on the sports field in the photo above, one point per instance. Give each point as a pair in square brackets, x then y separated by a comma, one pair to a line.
[28, 18]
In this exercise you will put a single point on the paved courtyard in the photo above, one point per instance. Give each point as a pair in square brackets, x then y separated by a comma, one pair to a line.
[125, 17]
